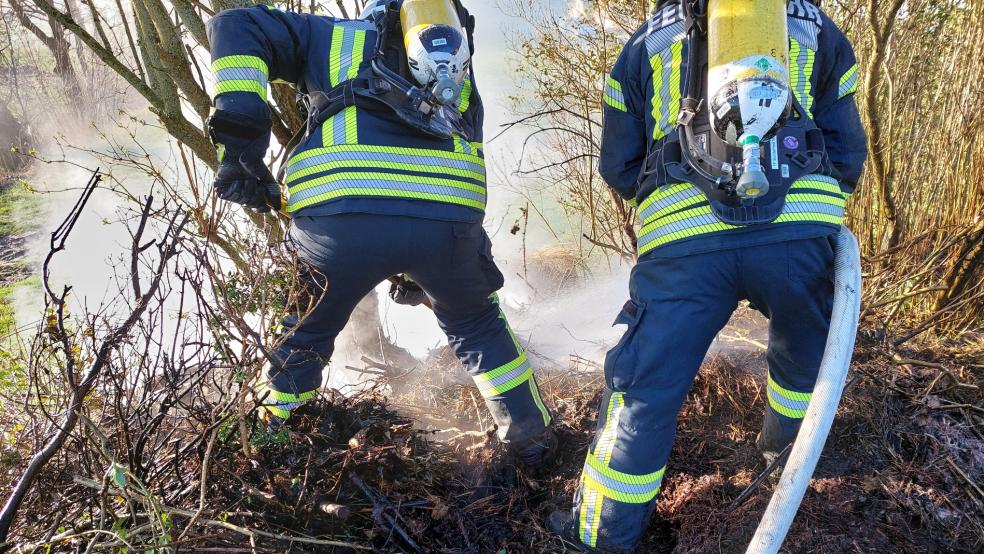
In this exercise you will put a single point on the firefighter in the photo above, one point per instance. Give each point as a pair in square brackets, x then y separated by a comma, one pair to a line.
[711, 238]
[387, 178]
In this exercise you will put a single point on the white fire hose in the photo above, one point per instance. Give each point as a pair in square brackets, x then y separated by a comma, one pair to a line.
[826, 397]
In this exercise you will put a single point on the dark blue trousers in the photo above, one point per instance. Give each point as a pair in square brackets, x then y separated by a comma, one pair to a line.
[453, 263]
[677, 307]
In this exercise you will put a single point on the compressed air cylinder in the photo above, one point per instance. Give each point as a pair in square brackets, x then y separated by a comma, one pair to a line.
[437, 47]
[748, 79]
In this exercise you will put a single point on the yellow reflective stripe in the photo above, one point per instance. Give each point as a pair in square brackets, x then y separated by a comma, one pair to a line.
[374, 176]
[466, 93]
[686, 233]
[358, 54]
[289, 397]
[808, 70]
[386, 150]
[615, 104]
[360, 191]
[849, 82]
[590, 515]
[275, 411]
[241, 86]
[374, 164]
[613, 95]
[693, 212]
[676, 51]
[801, 60]
[502, 370]
[662, 193]
[679, 205]
[335, 54]
[626, 478]
[609, 435]
[819, 182]
[232, 62]
[656, 62]
[790, 394]
[538, 400]
[352, 121]
[789, 403]
[788, 412]
[818, 198]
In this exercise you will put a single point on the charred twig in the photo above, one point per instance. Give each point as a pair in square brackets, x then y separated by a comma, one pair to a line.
[747, 493]
[384, 513]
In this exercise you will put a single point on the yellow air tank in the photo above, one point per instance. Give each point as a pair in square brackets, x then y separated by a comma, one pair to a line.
[437, 47]
[748, 79]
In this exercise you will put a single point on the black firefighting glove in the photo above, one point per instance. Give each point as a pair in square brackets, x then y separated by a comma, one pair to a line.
[242, 176]
[406, 292]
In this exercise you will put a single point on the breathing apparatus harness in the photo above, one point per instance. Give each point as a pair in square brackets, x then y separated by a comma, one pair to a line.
[693, 152]
[380, 86]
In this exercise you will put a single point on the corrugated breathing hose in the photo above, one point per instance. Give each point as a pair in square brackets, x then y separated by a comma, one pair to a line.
[826, 398]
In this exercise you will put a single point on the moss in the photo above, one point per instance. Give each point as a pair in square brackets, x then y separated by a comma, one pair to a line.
[7, 321]
[19, 207]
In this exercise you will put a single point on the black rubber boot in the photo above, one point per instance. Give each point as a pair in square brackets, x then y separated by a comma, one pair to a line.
[536, 453]
[562, 524]
[774, 438]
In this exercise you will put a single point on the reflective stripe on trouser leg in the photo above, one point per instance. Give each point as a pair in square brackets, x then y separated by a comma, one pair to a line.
[787, 402]
[281, 404]
[510, 389]
[602, 487]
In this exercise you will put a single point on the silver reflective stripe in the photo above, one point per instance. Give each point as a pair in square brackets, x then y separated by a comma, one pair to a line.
[382, 185]
[338, 123]
[505, 377]
[689, 192]
[849, 84]
[628, 488]
[664, 91]
[614, 94]
[681, 225]
[419, 163]
[806, 33]
[783, 401]
[813, 207]
[661, 39]
[241, 74]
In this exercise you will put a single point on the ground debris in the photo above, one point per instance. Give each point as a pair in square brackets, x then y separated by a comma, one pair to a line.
[898, 475]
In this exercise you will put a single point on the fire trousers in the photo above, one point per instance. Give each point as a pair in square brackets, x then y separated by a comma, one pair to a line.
[677, 307]
[453, 263]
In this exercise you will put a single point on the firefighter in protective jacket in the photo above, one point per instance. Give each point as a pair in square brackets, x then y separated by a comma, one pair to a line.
[703, 247]
[387, 179]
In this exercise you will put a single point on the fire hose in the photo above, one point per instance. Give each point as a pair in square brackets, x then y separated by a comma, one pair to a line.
[827, 393]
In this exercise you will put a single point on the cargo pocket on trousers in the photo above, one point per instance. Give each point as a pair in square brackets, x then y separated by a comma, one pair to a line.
[491, 271]
[621, 363]
[811, 261]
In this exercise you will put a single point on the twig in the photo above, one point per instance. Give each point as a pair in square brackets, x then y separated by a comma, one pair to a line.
[380, 507]
[80, 390]
[961, 473]
[226, 525]
[747, 493]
